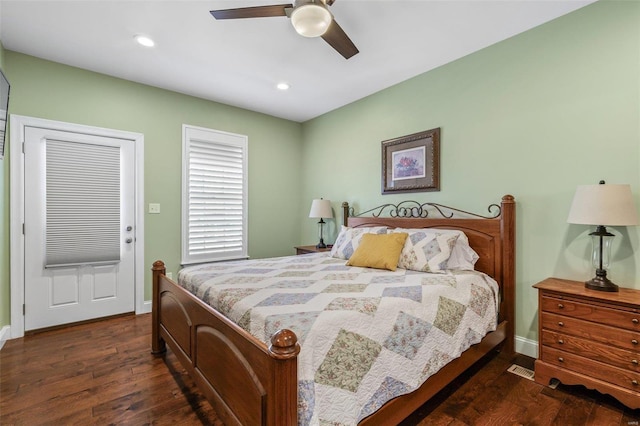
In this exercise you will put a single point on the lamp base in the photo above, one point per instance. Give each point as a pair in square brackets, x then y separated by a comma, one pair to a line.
[601, 283]
[321, 244]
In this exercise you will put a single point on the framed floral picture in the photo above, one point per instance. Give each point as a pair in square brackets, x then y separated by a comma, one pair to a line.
[411, 163]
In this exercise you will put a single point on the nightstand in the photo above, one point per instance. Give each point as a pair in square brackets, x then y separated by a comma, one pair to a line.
[588, 337]
[311, 249]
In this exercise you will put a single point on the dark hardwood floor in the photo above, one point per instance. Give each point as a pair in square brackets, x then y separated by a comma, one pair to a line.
[103, 373]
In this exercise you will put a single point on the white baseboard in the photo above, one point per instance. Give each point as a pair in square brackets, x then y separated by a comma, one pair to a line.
[5, 332]
[526, 347]
[146, 307]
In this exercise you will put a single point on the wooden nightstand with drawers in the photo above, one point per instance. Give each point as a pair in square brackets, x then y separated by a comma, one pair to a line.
[311, 249]
[589, 338]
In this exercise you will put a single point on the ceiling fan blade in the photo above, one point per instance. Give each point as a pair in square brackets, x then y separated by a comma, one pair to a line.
[252, 12]
[339, 40]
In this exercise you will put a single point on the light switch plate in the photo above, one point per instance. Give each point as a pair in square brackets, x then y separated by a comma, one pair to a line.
[154, 208]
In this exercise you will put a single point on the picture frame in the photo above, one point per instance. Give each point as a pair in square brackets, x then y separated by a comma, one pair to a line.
[411, 163]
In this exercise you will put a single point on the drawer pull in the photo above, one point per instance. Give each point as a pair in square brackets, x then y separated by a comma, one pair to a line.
[634, 361]
[560, 359]
[560, 323]
[634, 341]
[634, 382]
[635, 321]
[560, 341]
[560, 306]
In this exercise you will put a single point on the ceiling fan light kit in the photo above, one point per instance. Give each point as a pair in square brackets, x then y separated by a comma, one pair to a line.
[311, 20]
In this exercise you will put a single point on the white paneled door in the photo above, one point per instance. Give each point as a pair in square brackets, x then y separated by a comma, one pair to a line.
[79, 231]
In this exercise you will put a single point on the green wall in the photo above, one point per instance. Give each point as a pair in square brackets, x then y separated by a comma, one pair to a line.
[50, 90]
[533, 116]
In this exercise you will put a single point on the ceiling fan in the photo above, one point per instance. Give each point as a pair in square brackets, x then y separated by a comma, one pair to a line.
[310, 18]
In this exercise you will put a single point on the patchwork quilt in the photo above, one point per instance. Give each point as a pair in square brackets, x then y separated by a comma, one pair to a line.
[367, 335]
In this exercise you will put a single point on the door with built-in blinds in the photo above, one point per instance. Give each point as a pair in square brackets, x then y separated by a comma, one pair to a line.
[79, 227]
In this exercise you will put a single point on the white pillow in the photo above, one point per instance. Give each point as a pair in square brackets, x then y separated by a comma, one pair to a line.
[349, 239]
[426, 250]
[463, 257]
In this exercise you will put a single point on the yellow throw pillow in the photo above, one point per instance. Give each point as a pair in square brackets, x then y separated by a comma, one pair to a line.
[380, 251]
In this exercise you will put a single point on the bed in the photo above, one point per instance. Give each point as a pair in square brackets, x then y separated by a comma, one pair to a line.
[251, 382]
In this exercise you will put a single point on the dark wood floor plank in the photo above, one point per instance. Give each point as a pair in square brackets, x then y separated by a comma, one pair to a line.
[438, 419]
[539, 409]
[49, 411]
[505, 413]
[103, 373]
[573, 410]
[29, 397]
[472, 389]
[485, 403]
[604, 416]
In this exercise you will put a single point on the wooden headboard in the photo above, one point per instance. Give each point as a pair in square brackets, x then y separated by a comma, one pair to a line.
[492, 237]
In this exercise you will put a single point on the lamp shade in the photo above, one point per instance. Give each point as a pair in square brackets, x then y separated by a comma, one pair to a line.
[604, 204]
[321, 209]
[311, 20]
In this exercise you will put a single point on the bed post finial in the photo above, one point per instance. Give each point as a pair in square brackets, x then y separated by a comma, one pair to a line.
[158, 265]
[284, 344]
[345, 213]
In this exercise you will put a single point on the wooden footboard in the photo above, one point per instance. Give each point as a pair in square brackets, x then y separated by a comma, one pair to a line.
[247, 382]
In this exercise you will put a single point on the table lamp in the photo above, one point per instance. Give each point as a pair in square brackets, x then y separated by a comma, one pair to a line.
[321, 209]
[602, 205]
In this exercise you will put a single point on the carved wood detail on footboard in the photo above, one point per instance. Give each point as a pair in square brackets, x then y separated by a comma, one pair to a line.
[246, 382]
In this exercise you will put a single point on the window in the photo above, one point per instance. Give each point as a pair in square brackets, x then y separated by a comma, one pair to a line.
[82, 203]
[214, 195]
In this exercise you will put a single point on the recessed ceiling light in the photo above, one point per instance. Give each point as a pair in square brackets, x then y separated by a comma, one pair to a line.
[283, 86]
[144, 41]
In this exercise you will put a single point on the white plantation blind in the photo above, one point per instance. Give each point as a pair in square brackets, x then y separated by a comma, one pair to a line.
[82, 203]
[214, 196]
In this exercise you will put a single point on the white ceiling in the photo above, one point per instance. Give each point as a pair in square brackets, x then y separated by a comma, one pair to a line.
[239, 62]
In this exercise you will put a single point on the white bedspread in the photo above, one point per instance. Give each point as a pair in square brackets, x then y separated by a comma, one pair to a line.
[367, 335]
